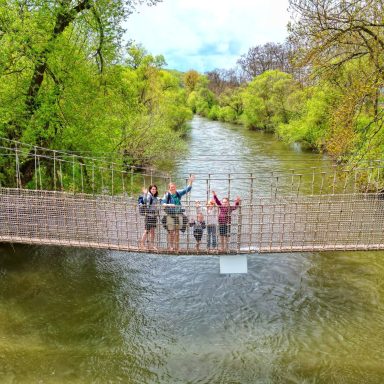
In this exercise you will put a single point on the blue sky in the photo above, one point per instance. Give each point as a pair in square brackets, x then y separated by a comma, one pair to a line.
[207, 34]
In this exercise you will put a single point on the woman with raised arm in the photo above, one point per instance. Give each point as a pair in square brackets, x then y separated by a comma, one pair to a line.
[174, 219]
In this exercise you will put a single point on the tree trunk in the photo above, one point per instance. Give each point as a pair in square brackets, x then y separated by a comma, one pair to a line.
[63, 19]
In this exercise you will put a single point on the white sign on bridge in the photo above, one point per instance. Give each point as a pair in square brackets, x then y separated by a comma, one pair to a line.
[233, 264]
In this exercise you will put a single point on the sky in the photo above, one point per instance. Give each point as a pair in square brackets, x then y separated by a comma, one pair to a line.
[207, 34]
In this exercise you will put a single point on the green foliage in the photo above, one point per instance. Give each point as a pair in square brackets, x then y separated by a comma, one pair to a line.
[201, 99]
[311, 122]
[265, 100]
[205, 101]
[228, 114]
[369, 141]
[214, 112]
[191, 79]
[342, 45]
[231, 103]
[61, 87]
[192, 101]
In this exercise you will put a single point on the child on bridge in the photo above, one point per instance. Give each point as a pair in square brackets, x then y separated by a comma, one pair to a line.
[211, 214]
[225, 220]
[198, 229]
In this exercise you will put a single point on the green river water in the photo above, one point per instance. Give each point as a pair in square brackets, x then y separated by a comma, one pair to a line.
[89, 316]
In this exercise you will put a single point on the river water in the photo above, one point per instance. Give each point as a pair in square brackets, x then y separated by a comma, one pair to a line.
[87, 316]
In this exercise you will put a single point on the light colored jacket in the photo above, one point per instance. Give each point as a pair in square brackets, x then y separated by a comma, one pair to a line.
[152, 203]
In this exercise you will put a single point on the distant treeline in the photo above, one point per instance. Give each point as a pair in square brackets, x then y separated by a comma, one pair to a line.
[322, 87]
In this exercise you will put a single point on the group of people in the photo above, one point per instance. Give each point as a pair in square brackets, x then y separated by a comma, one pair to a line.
[215, 215]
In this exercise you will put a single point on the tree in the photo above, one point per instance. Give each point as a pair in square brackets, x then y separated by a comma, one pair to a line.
[231, 105]
[61, 86]
[310, 123]
[191, 79]
[265, 100]
[219, 80]
[34, 32]
[342, 42]
[261, 58]
[331, 33]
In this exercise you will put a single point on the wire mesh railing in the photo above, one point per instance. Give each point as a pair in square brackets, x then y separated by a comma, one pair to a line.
[290, 224]
[31, 167]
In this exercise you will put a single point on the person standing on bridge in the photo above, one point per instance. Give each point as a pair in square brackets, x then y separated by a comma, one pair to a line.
[174, 218]
[152, 207]
[198, 229]
[211, 214]
[225, 211]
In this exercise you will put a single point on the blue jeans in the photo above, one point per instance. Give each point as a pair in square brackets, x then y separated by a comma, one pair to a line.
[211, 235]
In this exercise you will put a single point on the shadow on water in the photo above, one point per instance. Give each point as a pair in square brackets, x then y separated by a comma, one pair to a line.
[74, 315]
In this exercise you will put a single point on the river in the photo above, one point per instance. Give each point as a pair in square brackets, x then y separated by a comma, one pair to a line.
[87, 316]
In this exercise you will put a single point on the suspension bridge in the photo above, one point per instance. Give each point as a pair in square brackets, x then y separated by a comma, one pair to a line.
[52, 197]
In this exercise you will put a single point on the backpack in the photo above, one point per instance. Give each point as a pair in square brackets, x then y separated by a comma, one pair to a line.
[143, 208]
[173, 210]
[169, 197]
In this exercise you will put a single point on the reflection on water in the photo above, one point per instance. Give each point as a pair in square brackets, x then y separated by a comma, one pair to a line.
[82, 316]
[223, 149]
[67, 314]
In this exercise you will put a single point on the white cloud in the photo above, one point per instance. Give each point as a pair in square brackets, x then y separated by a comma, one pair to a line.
[207, 34]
